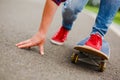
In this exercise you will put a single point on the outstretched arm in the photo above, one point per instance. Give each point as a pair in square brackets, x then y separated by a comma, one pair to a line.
[39, 38]
[48, 14]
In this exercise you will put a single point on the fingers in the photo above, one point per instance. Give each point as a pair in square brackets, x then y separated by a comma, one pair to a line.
[25, 44]
[34, 41]
[41, 47]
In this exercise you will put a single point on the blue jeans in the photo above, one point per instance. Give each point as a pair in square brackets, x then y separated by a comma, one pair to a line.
[107, 11]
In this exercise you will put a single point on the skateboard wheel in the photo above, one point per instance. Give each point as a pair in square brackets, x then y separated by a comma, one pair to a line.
[102, 66]
[74, 58]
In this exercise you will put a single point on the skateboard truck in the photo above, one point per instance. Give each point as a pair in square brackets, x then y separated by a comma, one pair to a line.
[100, 63]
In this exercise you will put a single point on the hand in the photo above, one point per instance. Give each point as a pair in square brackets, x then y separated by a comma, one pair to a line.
[37, 40]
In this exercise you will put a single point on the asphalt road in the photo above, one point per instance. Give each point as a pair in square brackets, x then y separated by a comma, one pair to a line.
[19, 20]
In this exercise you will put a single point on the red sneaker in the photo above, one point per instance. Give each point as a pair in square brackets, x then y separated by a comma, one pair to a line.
[95, 41]
[60, 37]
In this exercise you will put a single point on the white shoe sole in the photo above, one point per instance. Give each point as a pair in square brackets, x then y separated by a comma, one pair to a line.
[55, 42]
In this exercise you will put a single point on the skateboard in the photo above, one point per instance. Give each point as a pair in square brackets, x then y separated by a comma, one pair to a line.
[90, 55]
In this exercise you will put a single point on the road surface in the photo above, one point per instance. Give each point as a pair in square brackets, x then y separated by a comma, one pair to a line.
[20, 19]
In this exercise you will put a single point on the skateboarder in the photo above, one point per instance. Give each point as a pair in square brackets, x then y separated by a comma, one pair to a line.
[71, 8]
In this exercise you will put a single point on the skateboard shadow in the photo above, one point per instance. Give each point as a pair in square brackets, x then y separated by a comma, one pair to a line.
[64, 60]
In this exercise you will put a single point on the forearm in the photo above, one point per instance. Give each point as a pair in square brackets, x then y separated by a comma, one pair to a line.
[48, 14]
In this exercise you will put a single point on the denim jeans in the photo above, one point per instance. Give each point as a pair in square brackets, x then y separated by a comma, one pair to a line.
[107, 11]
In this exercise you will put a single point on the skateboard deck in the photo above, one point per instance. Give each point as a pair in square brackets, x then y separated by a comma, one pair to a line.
[93, 55]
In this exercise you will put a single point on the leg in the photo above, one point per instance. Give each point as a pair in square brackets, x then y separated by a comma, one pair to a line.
[107, 11]
[70, 11]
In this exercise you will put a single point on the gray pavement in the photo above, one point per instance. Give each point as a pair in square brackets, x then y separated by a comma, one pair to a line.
[19, 20]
